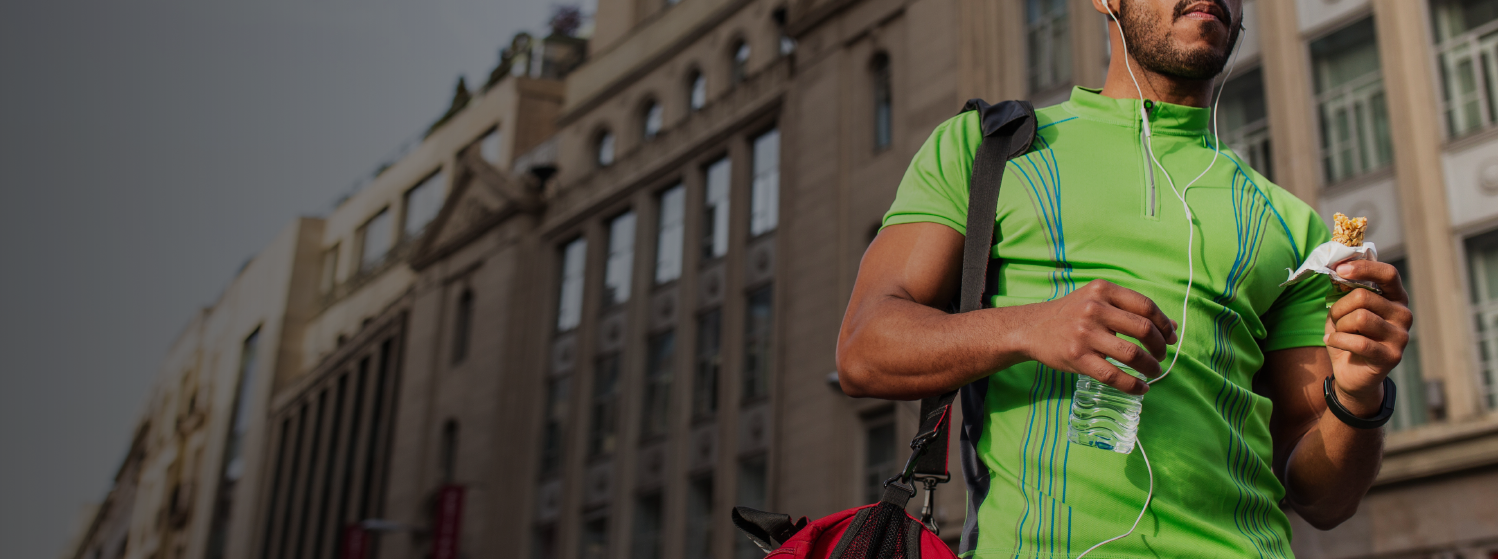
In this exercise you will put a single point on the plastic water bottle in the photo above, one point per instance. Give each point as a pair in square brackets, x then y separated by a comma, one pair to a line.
[1103, 416]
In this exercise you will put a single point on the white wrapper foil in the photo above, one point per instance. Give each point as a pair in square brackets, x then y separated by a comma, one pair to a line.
[1328, 256]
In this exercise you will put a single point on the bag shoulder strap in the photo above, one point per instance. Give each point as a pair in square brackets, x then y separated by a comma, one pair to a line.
[1008, 131]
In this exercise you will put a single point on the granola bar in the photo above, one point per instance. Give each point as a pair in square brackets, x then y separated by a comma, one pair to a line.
[1349, 231]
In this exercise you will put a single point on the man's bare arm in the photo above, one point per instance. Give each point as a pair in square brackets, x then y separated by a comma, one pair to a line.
[1326, 465]
[896, 343]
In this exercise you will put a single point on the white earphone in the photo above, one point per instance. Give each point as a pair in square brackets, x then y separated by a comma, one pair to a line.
[1147, 143]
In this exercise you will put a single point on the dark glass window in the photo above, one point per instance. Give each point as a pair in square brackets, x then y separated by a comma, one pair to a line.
[709, 363]
[649, 518]
[700, 517]
[449, 451]
[595, 544]
[715, 211]
[752, 488]
[553, 423]
[605, 408]
[883, 134]
[462, 326]
[739, 69]
[757, 331]
[660, 362]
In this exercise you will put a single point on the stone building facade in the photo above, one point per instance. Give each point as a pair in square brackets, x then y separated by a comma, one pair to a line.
[614, 318]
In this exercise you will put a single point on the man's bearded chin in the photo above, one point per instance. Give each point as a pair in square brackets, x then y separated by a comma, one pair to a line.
[1150, 43]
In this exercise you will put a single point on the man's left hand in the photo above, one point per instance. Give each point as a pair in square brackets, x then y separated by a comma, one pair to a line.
[1366, 334]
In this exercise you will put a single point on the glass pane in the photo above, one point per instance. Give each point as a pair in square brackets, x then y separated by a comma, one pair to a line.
[601, 435]
[423, 203]
[765, 194]
[757, 345]
[709, 363]
[660, 362]
[699, 91]
[751, 493]
[647, 533]
[489, 148]
[654, 119]
[715, 225]
[700, 518]
[879, 455]
[377, 240]
[619, 266]
[670, 235]
[606, 149]
[570, 310]
[595, 544]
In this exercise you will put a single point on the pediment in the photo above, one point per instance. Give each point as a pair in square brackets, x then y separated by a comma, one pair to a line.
[481, 198]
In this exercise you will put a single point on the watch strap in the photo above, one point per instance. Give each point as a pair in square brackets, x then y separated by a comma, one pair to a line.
[1385, 412]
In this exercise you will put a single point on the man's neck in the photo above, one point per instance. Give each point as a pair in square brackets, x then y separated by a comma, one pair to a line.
[1158, 87]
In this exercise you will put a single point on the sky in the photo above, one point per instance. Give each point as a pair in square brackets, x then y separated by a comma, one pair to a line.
[147, 149]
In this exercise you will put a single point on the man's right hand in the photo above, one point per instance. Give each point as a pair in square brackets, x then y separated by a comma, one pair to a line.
[895, 343]
[1077, 332]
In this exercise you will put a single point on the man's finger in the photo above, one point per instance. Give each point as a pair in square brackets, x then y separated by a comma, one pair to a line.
[1137, 327]
[1377, 304]
[1128, 353]
[1100, 369]
[1382, 355]
[1383, 274]
[1364, 323]
[1135, 302]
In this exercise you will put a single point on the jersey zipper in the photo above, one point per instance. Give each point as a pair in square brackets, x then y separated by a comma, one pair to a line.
[1149, 175]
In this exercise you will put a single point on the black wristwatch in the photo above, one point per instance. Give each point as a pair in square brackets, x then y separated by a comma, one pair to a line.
[1335, 406]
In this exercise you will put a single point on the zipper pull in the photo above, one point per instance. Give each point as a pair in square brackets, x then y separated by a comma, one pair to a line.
[1144, 116]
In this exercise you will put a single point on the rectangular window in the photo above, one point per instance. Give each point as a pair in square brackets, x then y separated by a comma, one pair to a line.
[656, 415]
[233, 464]
[670, 234]
[700, 517]
[649, 518]
[553, 424]
[462, 326]
[1466, 33]
[329, 276]
[752, 488]
[883, 110]
[570, 306]
[489, 147]
[1482, 262]
[619, 266]
[709, 363]
[1244, 122]
[605, 408]
[715, 211]
[595, 544]
[375, 240]
[1410, 408]
[422, 204]
[1049, 33]
[1350, 96]
[545, 546]
[760, 324]
[879, 454]
[764, 207]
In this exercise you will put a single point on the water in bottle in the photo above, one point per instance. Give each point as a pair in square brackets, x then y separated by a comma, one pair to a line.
[1103, 416]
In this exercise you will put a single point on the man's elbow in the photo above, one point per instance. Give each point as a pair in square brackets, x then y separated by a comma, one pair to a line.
[1326, 518]
[852, 374]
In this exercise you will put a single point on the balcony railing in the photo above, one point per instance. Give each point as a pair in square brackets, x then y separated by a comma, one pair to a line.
[1469, 80]
[1354, 128]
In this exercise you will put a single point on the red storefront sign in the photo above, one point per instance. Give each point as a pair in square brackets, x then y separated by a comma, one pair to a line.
[355, 541]
[445, 531]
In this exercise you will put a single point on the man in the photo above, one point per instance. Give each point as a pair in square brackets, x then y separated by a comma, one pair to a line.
[1093, 238]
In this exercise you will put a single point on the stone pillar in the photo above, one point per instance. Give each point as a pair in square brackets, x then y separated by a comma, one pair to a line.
[1089, 44]
[990, 59]
[1414, 118]
[1289, 99]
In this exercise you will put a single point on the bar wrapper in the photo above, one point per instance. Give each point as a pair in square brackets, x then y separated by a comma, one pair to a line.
[1328, 256]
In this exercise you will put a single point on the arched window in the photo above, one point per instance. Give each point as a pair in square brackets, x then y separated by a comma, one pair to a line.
[604, 148]
[740, 64]
[696, 90]
[462, 326]
[883, 117]
[651, 119]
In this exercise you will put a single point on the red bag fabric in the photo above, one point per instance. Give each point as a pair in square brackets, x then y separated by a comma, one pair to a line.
[882, 530]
